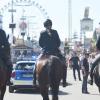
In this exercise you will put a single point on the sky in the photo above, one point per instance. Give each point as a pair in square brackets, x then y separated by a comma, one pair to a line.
[57, 10]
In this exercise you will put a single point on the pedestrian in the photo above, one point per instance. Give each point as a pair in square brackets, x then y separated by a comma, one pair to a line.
[85, 73]
[50, 42]
[75, 65]
[91, 58]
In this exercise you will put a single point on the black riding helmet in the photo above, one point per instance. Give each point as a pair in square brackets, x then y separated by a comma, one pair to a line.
[98, 43]
[47, 23]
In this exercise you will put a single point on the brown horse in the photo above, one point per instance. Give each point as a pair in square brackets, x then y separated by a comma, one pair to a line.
[49, 72]
[3, 80]
[97, 76]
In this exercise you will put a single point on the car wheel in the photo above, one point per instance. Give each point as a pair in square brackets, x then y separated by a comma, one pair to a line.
[11, 89]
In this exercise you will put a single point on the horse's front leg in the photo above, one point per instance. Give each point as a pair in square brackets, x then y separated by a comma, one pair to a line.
[0, 94]
[55, 97]
[44, 92]
[55, 90]
[99, 89]
[3, 90]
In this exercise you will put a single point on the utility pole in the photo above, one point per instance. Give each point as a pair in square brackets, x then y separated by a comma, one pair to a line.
[69, 20]
[12, 25]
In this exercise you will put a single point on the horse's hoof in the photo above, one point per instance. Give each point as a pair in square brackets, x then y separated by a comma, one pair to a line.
[65, 84]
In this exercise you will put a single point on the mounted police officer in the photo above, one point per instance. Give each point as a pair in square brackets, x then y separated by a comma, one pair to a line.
[5, 56]
[50, 42]
[96, 61]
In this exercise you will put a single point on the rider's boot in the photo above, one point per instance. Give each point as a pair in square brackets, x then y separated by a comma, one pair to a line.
[34, 78]
[9, 72]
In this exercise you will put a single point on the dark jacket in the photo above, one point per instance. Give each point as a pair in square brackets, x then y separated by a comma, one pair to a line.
[75, 61]
[49, 43]
[86, 64]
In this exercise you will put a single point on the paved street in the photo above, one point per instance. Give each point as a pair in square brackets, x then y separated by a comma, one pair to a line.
[71, 92]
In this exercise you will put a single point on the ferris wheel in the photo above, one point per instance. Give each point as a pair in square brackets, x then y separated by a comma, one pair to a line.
[23, 15]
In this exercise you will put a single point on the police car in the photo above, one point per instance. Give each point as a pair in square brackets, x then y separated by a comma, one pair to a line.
[22, 75]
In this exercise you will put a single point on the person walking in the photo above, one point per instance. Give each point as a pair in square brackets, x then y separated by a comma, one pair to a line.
[85, 73]
[75, 65]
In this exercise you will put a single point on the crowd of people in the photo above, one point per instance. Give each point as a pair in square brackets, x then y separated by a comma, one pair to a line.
[84, 64]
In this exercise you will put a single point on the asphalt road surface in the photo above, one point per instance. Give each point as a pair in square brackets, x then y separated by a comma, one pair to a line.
[71, 92]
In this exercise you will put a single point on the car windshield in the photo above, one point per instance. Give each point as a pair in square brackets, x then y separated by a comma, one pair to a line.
[25, 66]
